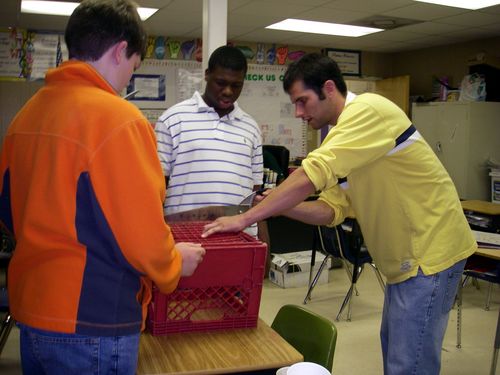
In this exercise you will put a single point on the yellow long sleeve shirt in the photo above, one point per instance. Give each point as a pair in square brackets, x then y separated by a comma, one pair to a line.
[403, 198]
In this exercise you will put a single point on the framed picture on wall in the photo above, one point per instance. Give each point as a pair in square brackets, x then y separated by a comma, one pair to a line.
[148, 90]
[349, 61]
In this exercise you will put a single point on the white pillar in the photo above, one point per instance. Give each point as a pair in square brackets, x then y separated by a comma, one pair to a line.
[214, 27]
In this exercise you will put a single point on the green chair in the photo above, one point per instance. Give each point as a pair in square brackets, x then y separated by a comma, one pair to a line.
[311, 334]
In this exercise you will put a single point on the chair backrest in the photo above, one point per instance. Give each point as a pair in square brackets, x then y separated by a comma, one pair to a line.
[280, 154]
[311, 334]
[483, 268]
[7, 246]
[345, 241]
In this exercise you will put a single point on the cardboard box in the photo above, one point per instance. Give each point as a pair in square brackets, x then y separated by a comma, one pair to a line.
[292, 270]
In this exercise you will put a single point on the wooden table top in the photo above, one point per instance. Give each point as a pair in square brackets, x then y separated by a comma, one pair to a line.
[482, 207]
[216, 352]
[488, 253]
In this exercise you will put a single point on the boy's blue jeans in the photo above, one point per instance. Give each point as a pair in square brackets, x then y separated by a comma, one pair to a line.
[52, 353]
[414, 321]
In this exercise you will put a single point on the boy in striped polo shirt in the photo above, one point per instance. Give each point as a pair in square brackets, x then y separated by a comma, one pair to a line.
[210, 149]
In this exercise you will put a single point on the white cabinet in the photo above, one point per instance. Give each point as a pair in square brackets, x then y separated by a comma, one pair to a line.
[464, 135]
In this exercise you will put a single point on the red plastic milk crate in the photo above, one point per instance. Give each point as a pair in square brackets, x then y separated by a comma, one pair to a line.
[223, 293]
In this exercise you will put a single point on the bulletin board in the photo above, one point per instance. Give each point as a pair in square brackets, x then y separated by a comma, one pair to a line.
[46, 47]
[27, 55]
[262, 97]
[10, 54]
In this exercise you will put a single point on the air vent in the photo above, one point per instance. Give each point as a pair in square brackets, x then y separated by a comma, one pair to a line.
[384, 22]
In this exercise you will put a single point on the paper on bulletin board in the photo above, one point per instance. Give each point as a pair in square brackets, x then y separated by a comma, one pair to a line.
[264, 99]
[45, 53]
[189, 80]
[349, 62]
[10, 54]
[148, 87]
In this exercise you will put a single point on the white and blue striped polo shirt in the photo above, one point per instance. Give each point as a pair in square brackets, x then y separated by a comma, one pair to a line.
[209, 160]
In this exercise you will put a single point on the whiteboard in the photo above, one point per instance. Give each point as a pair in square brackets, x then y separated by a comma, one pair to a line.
[262, 97]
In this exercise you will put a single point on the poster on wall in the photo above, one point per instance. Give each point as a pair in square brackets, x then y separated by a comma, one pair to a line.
[148, 87]
[11, 42]
[188, 81]
[348, 61]
[49, 50]
[264, 99]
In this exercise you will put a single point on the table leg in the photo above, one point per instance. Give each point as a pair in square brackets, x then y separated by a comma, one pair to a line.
[494, 360]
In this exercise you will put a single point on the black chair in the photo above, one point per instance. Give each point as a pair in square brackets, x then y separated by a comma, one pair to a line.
[7, 245]
[280, 159]
[346, 242]
[477, 268]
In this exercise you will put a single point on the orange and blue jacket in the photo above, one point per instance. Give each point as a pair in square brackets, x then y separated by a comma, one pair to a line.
[82, 190]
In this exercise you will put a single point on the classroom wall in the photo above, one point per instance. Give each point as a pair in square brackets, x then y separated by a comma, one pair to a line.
[450, 61]
[421, 65]
[376, 64]
[13, 94]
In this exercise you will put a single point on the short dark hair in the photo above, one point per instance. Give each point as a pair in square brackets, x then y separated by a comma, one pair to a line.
[228, 57]
[314, 70]
[96, 25]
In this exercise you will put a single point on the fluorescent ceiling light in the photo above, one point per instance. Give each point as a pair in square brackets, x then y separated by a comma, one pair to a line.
[465, 4]
[145, 13]
[314, 27]
[60, 8]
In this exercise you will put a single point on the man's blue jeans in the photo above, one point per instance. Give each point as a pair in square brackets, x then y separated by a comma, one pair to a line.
[52, 353]
[414, 321]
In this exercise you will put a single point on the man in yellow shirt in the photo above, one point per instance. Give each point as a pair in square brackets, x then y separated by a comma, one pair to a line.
[401, 195]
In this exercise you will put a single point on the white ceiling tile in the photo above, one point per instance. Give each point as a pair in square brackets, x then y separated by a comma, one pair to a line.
[374, 7]
[178, 22]
[424, 12]
[185, 6]
[268, 36]
[258, 8]
[176, 30]
[394, 36]
[153, 3]
[430, 28]
[469, 33]
[317, 39]
[286, 3]
[332, 15]
[244, 20]
[492, 28]
[432, 40]
[472, 19]
[235, 4]
[491, 10]
[236, 31]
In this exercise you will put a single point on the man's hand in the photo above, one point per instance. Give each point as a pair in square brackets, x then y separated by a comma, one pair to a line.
[192, 255]
[224, 224]
[260, 197]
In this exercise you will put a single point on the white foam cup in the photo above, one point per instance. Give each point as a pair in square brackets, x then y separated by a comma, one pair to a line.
[307, 368]
[282, 371]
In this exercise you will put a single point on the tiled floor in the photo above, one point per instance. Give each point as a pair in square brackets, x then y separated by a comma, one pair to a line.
[358, 348]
